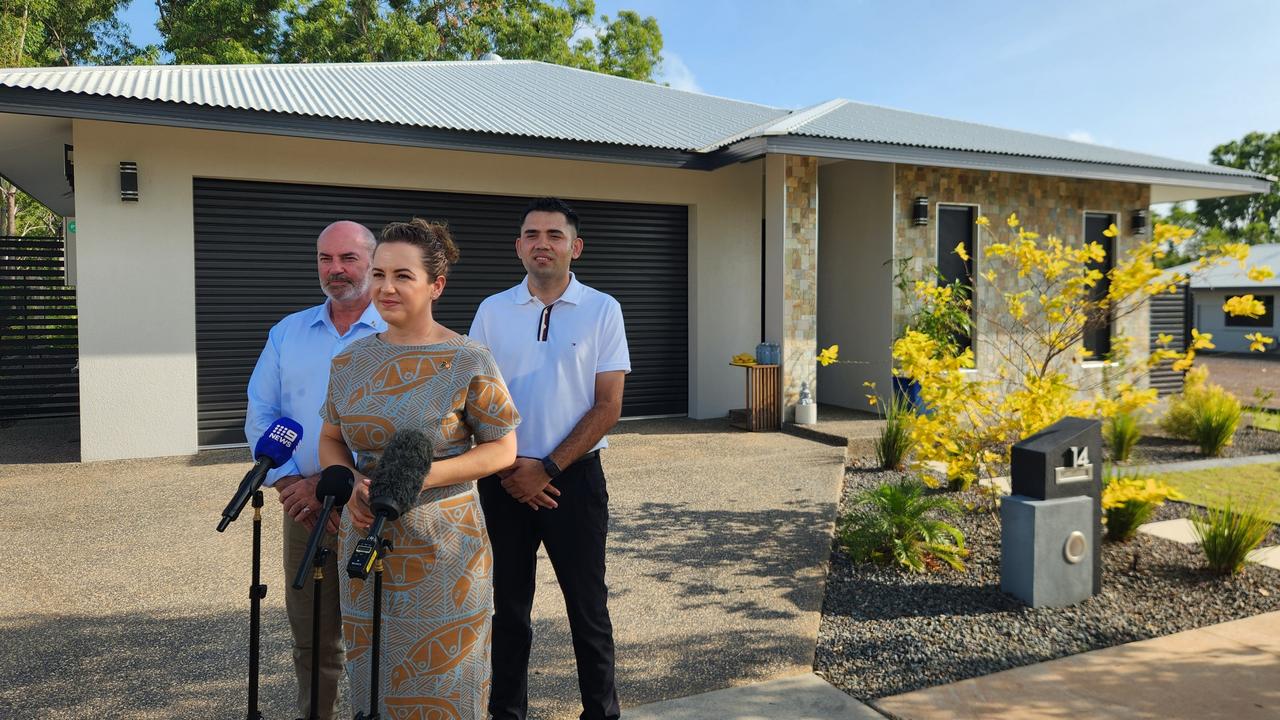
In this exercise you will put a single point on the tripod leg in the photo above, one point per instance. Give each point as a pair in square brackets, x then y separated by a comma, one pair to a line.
[257, 591]
[376, 661]
[317, 586]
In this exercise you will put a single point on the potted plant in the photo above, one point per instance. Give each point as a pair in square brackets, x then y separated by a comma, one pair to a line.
[942, 312]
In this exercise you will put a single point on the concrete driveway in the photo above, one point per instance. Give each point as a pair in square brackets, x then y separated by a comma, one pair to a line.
[120, 600]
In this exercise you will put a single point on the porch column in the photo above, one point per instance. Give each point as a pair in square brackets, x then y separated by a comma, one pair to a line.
[791, 270]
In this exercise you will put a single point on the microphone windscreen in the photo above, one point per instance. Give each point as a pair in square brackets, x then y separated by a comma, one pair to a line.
[338, 481]
[278, 442]
[397, 480]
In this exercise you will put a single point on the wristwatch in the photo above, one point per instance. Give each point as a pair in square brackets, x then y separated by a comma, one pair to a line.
[553, 470]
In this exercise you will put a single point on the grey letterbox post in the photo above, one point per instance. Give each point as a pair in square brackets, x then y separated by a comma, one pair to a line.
[1051, 526]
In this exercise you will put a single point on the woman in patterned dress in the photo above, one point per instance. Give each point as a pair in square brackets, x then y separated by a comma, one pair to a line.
[438, 593]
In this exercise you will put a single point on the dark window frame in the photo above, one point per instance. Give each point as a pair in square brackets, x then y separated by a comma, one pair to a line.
[974, 210]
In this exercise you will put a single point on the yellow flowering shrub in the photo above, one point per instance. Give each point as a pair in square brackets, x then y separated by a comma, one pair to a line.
[1129, 501]
[1043, 302]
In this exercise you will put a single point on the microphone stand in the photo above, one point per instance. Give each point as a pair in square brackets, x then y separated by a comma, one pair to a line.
[257, 591]
[376, 646]
[318, 554]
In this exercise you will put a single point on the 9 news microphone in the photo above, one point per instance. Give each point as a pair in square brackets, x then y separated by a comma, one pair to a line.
[274, 449]
[334, 488]
[397, 481]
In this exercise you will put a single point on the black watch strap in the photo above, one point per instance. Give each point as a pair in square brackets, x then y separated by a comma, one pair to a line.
[549, 465]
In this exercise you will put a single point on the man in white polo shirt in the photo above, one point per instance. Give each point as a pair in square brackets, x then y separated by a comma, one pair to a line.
[562, 350]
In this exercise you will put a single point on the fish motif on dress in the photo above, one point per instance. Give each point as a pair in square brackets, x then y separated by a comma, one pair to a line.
[441, 650]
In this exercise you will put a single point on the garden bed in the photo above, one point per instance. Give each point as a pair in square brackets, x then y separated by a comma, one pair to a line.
[1158, 447]
[885, 631]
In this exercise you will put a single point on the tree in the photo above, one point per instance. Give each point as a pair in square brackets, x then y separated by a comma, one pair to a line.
[564, 32]
[66, 32]
[1247, 218]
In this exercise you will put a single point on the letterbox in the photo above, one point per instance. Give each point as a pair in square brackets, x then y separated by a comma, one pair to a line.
[1051, 525]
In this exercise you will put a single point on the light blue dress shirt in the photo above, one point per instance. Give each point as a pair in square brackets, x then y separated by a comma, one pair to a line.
[291, 379]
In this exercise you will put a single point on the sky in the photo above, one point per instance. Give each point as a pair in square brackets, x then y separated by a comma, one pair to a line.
[1172, 78]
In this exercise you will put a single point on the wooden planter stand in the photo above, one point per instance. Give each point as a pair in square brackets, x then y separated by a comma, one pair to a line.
[764, 397]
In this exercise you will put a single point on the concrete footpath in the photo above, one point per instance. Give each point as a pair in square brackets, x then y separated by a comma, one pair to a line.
[1225, 671]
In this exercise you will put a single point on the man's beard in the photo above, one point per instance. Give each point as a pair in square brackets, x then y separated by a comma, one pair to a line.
[341, 292]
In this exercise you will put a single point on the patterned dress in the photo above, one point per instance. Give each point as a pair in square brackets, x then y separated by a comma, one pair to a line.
[437, 601]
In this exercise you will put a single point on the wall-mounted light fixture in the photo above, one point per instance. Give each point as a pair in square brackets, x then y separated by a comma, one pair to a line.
[920, 211]
[1138, 222]
[129, 181]
[69, 165]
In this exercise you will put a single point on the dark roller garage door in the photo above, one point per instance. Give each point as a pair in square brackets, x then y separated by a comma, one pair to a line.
[255, 263]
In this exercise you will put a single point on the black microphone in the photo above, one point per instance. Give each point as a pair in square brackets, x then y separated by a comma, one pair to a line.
[397, 481]
[274, 449]
[334, 488]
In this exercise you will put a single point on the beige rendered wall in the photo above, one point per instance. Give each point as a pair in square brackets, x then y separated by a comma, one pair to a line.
[136, 261]
[855, 280]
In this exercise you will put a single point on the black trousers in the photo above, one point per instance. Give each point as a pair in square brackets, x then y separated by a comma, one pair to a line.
[574, 535]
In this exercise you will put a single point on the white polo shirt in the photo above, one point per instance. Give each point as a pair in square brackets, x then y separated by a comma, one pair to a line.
[549, 356]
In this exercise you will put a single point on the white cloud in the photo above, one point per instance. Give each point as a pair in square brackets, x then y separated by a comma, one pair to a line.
[1083, 136]
[678, 75]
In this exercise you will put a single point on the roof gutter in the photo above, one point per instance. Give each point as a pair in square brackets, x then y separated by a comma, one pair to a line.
[26, 101]
[912, 155]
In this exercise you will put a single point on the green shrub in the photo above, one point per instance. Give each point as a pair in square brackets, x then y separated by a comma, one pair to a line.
[1227, 535]
[1129, 500]
[1122, 433]
[894, 524]
[895, 441]
[1203, 413]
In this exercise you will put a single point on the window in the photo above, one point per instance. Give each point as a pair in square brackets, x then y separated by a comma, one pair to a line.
[1266, 319]
[956, 226]
[1097, 334]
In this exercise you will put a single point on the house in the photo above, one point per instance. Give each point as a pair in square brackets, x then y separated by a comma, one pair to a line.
[1211, 287]
[717, 223]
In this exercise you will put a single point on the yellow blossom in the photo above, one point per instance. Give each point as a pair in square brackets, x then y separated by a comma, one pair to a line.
[872, 400]
[1201, 341]
[1244, 305]
[1111, 231]
[1261, 273]
[983, 221]
[1258, 342]
[829, 355]
[1164, 339]
[960, 251]
[1013, 220]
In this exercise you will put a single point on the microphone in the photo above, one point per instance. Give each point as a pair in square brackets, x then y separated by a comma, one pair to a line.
[334, 488]
[397, 481]
[274, 449]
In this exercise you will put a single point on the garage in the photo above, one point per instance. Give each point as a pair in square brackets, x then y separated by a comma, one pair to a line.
[255, 263]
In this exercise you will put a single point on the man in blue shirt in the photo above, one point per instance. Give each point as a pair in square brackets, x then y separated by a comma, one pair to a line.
[291, 379]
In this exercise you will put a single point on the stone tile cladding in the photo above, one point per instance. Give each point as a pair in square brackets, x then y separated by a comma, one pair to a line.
[800, 279]
[1047, 205]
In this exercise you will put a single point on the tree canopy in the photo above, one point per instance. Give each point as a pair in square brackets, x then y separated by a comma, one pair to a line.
[564, 32]
[1247, 218]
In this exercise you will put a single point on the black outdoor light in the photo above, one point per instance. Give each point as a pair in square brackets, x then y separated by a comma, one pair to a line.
[129, 181]
[1138, 222]
[920, 211]
[69, 165]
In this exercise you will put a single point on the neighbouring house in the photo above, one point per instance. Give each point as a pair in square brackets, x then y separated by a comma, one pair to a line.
[1210, 288]
[716, 223]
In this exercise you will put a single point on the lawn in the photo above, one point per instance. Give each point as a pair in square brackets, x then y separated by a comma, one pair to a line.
[1245, 484]
[1265, 419]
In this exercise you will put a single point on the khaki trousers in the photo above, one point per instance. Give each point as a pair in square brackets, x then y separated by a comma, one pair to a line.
[298, 603]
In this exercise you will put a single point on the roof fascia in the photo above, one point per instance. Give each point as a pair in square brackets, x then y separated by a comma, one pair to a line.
[146, 112]
[913, 155]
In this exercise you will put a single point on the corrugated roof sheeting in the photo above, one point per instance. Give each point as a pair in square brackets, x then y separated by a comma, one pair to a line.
[518, 98]
[870, 123]
[1231, 275]
[507, 97]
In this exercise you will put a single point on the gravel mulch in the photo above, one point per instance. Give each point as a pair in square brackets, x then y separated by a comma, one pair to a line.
[1157, 447]
[886, 631]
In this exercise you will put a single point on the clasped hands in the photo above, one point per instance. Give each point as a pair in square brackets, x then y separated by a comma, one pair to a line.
[298, 496]
[527, 481]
